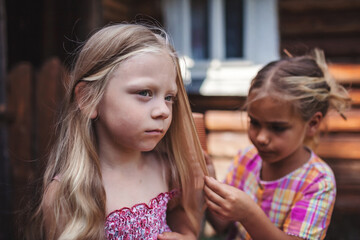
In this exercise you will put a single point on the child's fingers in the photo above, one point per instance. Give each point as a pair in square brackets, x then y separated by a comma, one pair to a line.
[212, 196]
[217, 205]
[216, 186]
[214, 208]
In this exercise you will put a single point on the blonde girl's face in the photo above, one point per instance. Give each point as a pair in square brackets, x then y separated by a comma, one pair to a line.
[276, 131]
[136, 110]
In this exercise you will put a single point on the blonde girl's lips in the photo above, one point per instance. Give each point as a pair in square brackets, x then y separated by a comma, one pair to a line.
[155, 131]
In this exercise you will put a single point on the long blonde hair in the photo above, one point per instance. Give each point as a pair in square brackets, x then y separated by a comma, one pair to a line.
[80, 199]
[303, 81]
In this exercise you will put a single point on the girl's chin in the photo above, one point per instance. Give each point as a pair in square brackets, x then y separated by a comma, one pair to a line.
[148, 147]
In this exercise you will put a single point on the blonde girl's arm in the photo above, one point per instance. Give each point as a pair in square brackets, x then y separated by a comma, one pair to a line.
[232, 204]
[180, 226]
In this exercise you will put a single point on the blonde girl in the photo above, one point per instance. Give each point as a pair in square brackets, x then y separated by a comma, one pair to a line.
[278, 188]
[127, 161]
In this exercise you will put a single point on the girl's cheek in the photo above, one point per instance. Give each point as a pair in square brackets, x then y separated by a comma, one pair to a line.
[251, 135]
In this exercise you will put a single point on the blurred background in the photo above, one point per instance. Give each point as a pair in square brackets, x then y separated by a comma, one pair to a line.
[222, 44]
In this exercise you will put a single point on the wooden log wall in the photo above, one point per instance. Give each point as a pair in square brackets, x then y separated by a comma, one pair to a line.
[5, 199]
[332, 25]
[130, 10]
[33, 101]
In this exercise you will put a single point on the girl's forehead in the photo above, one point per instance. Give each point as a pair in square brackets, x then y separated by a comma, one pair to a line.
[267, 101]
[269, 107]
[261, 94]
[143, 56]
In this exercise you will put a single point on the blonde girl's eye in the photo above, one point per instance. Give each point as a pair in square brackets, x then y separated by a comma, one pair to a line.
[170, 98]
[145, 93]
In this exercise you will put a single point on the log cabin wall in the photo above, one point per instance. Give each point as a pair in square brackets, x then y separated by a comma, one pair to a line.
[132, 10]
[332, 25]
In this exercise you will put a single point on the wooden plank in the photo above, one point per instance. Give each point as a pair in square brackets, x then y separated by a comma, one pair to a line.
[226, 144]
[6, 213]
[339, 146]
[346, 172]
[348, 186]
[115, 6]
[355, 96]
[217, 120]
[333, 122]
[348, 203]
[310, 5]
[201, 103]
[336, 47]
[49, 94]
[20, 129]
[316, 23]
[345, 73]
[237, 121]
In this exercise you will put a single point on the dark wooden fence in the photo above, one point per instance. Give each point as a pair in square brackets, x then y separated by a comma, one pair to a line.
[33, 99]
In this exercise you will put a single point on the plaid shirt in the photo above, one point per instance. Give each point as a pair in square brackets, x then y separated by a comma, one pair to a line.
[299, 203]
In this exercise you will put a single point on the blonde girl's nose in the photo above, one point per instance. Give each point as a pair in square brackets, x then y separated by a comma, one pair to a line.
[161, 110]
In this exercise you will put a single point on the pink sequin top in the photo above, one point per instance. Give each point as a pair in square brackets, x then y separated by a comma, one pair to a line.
[142, 221]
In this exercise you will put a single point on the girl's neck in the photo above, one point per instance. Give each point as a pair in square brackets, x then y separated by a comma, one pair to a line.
[120, 159]
[277, 170]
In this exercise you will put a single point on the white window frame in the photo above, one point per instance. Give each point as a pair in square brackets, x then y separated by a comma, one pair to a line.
[224, 76]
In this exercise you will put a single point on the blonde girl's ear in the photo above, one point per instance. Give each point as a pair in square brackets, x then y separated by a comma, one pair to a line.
[79, 95]
[313, 124]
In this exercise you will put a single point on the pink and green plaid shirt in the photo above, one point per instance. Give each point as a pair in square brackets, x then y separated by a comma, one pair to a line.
[299, 203]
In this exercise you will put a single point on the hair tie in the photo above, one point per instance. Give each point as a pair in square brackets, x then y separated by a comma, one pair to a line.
[288, 53]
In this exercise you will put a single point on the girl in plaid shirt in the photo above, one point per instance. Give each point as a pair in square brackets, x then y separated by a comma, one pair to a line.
[278, 188]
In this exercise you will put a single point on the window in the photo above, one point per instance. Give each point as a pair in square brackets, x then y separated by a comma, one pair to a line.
[222, 43]
[216, 29]
[199, 29]
[223, 29]
[234, 28]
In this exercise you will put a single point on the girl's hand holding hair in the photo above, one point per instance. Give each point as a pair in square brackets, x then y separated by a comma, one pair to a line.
[229, 204]
[226, 202]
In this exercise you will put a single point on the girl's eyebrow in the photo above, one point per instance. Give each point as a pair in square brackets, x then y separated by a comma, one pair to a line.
[149, 84]
[174, 91]
[278, 123]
